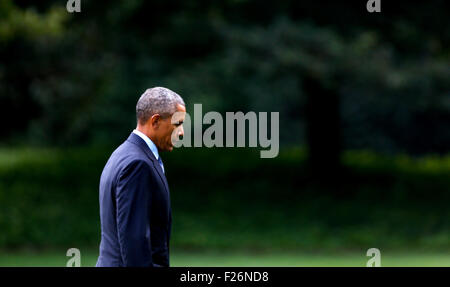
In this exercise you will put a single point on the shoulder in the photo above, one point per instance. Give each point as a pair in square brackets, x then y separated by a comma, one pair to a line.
[129, 153]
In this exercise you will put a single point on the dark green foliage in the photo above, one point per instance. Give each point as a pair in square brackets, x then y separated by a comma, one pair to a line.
[341, 79]
[381, 81]
[230, 198]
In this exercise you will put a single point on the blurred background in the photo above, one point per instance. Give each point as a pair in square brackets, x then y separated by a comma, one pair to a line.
[364, 106]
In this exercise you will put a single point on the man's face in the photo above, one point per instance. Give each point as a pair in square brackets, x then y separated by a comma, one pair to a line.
[170, 129]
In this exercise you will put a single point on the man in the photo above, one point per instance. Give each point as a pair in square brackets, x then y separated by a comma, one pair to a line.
[135, 212]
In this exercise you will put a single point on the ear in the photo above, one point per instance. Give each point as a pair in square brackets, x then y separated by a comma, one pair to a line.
[155, 120]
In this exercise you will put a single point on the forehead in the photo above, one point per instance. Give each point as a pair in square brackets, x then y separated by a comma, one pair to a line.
[179, 114]
[181, 108]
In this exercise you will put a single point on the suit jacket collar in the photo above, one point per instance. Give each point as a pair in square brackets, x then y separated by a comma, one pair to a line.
[135, 139]
[149, 143]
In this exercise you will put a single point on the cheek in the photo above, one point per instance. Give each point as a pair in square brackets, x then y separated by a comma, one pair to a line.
[170, 133]
[173, 136]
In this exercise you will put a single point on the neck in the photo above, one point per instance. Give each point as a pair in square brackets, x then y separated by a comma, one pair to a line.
[146, 131]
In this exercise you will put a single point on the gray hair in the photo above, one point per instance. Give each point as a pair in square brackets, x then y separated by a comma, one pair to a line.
[157, 100]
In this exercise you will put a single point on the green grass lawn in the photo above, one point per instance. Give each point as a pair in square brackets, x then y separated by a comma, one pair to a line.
[219, 259]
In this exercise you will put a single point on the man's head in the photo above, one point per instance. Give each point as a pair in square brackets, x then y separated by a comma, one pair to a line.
[160, 113]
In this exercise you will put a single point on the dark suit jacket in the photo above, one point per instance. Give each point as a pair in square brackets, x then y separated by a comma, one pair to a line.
[135, 211]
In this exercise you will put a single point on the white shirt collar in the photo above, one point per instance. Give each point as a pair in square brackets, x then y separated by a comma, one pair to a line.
[149, 142]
